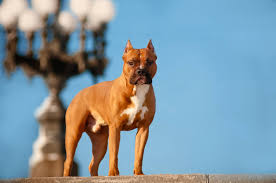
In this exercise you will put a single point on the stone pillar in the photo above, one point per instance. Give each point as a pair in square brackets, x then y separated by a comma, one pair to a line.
[48, 156]
[48, 150]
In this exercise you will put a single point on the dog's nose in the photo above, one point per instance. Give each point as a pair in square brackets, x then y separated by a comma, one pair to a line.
[141, 72]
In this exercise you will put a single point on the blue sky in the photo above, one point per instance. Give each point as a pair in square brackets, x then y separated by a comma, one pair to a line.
[215, 90]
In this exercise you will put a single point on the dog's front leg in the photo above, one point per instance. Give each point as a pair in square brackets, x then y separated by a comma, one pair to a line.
[114, 141]
[140, 143]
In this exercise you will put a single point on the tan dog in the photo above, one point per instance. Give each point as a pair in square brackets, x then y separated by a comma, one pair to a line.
[105, 109]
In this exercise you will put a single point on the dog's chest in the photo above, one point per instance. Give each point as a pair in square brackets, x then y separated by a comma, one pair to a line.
[137, 104]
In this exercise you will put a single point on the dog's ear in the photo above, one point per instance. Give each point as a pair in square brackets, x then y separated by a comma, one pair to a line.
[128, 46]
[150, 46]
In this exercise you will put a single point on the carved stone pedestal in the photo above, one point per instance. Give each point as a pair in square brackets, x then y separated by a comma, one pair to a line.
[48, 156]
[48, 150]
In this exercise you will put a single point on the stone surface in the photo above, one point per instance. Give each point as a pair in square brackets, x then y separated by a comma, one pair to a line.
[242, 178]
[188, 178]
[120, 179]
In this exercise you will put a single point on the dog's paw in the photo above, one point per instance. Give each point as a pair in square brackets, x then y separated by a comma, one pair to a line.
[113, 172]
[138, 172]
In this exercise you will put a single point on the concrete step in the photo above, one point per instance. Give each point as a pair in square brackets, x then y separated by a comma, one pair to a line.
[185, 178]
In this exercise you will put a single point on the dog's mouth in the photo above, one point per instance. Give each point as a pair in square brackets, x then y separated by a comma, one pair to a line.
[140, 80]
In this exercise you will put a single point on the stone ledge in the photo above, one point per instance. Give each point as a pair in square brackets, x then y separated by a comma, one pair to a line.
[185, 178]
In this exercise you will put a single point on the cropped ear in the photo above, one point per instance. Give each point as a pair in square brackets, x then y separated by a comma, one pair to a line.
[128, 46]
[150, 46]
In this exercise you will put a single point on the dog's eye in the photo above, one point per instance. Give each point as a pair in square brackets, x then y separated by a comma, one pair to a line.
[149, 62]
[130, 63]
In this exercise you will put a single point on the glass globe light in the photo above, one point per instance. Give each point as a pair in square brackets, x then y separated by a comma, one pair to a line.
[29, 21]
[102, 10]
[45, 7]
[80, 8]
[10, 10]
[67, 22]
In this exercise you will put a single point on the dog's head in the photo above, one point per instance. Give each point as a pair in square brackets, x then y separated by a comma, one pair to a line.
[139, 64]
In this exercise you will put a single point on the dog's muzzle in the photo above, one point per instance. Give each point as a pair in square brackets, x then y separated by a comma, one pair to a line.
[140, 77]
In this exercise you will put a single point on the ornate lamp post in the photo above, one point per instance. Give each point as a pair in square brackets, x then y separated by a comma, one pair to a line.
[53, 63]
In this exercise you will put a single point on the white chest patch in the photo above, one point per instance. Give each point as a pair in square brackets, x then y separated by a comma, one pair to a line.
[138, 101]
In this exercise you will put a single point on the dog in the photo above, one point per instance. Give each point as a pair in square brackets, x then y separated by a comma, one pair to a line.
[105, 109]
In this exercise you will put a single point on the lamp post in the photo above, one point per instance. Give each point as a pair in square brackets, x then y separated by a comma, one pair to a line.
[53, 63]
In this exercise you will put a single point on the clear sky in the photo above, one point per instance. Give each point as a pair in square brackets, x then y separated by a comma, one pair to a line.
[215, 90]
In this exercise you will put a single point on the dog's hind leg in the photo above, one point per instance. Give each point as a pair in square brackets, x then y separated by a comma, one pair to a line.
[75, 126]
[99, 146]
